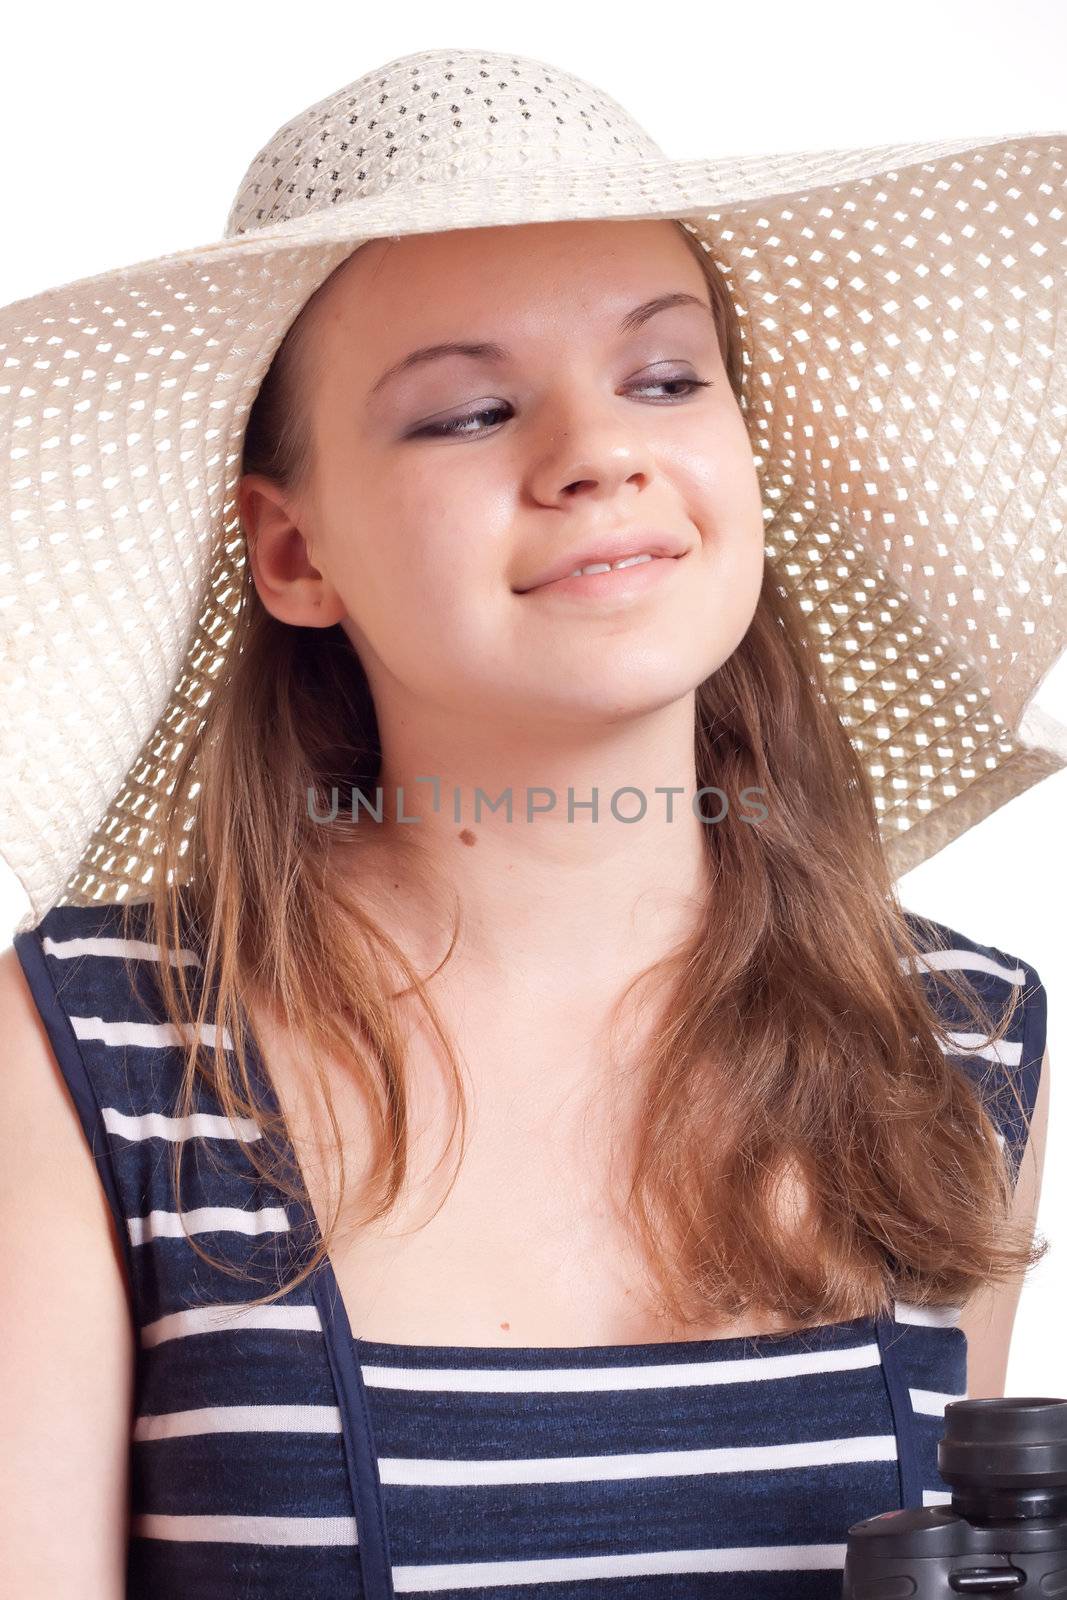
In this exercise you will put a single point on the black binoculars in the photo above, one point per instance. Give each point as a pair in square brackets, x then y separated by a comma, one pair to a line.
[1005, 1528]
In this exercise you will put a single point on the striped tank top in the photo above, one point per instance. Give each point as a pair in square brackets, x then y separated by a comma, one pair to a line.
[274, 1453]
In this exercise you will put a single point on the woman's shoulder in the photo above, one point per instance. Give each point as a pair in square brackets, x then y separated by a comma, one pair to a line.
[958, 948]
[93, 974]
[95, 940]
[995, 972]
[93, 967]
[1009, 1068]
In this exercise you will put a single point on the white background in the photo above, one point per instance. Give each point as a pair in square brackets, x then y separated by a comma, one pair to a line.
[126, 130]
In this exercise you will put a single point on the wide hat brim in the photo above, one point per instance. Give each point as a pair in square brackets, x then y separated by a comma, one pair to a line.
[905, 392]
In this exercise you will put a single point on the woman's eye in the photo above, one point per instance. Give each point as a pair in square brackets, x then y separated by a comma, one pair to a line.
[689, 384]
[463, 425]
[457, 424]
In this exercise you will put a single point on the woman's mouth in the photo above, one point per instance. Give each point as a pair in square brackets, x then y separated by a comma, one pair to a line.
[633, 575]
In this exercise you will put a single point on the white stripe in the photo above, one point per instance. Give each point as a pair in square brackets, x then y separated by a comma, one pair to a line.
[237, 1419]
[931, 1402]
[975, 1044]
[427, 1471]
[136, 949]
[936, 1497]
[954, 959]
[582, 1380]
[926, 1316]
[246, 1530]
[198, 1124]
[229, 1319]
[565, 1569]
[147, 1035]
[206, 1219]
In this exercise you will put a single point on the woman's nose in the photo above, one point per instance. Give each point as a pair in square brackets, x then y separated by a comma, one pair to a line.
[593, 450]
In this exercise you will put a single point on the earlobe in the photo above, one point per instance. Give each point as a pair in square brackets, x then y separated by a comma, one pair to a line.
[303, 599]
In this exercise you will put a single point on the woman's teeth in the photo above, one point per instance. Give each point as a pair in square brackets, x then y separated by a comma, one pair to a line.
[610, 566]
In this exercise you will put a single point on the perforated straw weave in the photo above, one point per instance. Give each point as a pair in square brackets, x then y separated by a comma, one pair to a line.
[902, 310]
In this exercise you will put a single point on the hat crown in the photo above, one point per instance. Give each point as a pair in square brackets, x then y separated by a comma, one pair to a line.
[436, 118]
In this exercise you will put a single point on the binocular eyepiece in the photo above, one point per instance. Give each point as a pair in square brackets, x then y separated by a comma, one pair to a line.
[1005, 1461]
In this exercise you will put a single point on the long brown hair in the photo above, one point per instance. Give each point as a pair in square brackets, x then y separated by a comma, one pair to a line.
[796, 1040]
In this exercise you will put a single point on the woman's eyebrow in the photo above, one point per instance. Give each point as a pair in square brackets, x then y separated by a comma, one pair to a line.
[487, 351]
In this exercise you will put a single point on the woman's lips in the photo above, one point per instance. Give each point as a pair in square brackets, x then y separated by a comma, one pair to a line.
[616, 583]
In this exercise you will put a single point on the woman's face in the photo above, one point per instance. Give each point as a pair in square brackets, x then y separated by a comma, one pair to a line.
[443, 488]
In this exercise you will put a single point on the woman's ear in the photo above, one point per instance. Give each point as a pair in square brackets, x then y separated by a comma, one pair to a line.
[282, 557]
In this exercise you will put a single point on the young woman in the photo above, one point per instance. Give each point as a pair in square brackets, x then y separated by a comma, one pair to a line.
[524, 806]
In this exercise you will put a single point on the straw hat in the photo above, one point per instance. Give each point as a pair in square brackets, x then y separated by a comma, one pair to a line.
[906, 395]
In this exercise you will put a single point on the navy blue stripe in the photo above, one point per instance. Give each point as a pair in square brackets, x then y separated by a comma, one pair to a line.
[910, 1478]
[170, 1570]
[253, 1367]
[631, 1515]
[240, 1474]
[375, 1561]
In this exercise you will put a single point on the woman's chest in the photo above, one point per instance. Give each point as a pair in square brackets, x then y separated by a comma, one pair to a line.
[523, 1242]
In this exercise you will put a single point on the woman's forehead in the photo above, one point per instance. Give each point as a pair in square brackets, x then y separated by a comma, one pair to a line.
[470, 283]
